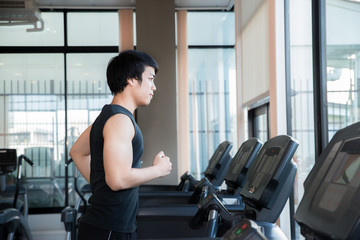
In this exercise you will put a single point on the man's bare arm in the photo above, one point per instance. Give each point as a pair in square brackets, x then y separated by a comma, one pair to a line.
[80, 153]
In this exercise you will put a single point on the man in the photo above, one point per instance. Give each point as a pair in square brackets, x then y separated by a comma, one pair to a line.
[108, 152]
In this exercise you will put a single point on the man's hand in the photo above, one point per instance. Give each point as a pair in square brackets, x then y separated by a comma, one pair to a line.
[163, 164]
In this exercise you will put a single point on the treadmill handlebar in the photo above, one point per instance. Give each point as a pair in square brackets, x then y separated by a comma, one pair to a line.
[187, 182]
[212, 202]
[202, 189]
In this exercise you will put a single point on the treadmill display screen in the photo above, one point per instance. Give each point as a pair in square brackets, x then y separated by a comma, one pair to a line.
[332, 197]
[265, 169]
[240, 161]
[268, 161]
[214, 161]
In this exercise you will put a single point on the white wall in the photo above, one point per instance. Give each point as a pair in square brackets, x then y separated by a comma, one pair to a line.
[255, 56]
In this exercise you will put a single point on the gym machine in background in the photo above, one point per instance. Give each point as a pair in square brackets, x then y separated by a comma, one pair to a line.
[13, 212]
[215, 173]
[267, 187]
[234, 176]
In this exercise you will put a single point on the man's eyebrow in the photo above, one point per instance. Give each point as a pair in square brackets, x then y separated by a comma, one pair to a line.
[152, 75]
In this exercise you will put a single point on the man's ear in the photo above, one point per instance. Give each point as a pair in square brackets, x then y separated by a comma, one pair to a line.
[131, 81]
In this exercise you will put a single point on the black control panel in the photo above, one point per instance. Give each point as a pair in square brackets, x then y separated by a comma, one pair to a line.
[270, 179]
[219, 163]
[8, 160]
[236, 175]
[330, 207]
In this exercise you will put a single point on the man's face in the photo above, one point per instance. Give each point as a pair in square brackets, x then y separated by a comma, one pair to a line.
[147, 87]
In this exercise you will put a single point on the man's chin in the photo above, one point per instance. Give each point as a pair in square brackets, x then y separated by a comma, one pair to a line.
[145, 104]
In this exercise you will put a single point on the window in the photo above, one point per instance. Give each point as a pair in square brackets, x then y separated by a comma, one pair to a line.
[32, 97]
[51, 93]
[301, 92]
[343, 64]
[212, 90]
[342, 78]
[259, 122]
[93, 29]
[53, 34]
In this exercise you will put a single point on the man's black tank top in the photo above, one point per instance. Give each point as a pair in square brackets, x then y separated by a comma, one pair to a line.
[112, 210]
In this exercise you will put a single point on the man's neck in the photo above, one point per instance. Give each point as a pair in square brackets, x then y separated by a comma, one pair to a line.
[125, 101]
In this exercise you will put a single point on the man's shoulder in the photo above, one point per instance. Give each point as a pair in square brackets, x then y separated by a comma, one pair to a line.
[119, 124]
[120, 119]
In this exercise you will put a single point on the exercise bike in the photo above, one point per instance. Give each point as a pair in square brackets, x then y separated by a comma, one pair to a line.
[13, 213]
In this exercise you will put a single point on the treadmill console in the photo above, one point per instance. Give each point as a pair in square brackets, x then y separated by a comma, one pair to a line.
[330, 207]
[215, 172]
[8, 160]
[270, 179]
[236, 175]
[219, 163]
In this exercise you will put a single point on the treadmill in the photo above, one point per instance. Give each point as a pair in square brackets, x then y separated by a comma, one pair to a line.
[330, 206]
[215, 172]
[268, 184]
[234, 178]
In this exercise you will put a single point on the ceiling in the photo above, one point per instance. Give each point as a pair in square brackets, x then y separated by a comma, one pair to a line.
[121, 4]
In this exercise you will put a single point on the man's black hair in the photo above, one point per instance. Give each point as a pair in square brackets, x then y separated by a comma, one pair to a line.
[128, 64]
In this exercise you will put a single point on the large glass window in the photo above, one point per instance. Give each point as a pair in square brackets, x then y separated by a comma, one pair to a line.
[32, 113]
[48, 98]
[343, 63]
[342, 88]
[212, 85]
